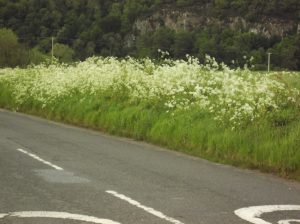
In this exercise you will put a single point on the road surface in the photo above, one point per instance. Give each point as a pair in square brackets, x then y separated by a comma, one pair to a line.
[55, 173]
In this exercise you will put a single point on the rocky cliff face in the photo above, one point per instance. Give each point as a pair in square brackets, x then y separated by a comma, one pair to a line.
[187, 20]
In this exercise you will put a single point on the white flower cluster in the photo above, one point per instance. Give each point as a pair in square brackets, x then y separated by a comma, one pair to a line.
[231, 96]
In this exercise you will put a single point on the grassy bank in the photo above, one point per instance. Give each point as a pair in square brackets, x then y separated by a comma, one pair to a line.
[230, 116]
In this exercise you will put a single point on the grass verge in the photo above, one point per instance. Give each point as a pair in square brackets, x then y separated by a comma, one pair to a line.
[230, 116]
[262, 145]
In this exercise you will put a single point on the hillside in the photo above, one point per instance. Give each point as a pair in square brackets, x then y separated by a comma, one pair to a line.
[229, 30]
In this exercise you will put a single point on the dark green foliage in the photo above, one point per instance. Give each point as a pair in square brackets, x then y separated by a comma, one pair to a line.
[183, 44]
[182, 3]
[256, 9]
[287, 53]
[163, 39]
[111, 24]
[93, 27]
[63, 52]
[13, 54]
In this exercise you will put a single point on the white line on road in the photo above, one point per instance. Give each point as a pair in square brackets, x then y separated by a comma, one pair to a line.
[289, 221]
[40, 159]
[58, 215]
[253, 214]
[147, 209]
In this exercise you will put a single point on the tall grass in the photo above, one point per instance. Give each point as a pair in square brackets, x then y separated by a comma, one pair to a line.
[229, 116]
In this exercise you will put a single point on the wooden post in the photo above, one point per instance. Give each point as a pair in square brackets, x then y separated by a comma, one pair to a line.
[52, 49]
[269, 61]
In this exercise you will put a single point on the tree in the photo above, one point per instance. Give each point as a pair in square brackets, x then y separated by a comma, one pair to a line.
[63, 52]
[111, 24]
[183, 44]
[259, 59]
[116, 9]
[11, 52]
[145, 46]
[112, 45]
[183, 3]
[163, 39]
[91, 26]
[132, 8]
[206, 45]
[37, 57]
[284, 53]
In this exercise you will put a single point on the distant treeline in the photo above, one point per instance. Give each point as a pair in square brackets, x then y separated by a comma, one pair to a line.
[82, 28]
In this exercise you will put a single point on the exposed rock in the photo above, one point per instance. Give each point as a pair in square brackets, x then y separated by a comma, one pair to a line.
[185, 20]
[129, 40]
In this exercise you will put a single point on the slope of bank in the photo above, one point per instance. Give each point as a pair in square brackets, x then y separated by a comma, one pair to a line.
[229, 116]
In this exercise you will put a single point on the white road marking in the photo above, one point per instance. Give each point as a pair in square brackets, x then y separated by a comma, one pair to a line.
[58, 215]
[288, 221]
[147, 209]
[40, 159]
[252, 214]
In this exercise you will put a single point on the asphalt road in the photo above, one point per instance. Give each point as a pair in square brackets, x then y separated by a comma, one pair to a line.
[54, 173]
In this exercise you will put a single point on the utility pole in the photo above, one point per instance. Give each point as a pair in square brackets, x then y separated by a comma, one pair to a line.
[184, 22]
[52, 49]
[269, 61]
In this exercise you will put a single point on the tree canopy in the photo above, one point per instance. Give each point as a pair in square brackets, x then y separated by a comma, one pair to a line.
[83, 28]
